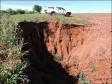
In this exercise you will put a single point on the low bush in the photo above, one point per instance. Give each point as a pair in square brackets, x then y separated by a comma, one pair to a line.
[83, 78]
[11, 68]
[14, 76]
[57, 58]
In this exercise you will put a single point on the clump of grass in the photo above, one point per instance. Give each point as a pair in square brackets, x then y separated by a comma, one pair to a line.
[93, 67]
[83, 79]
[45, 17]
[14, 76]
[57, 58]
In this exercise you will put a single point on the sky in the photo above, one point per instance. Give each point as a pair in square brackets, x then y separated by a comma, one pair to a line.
[75, 6]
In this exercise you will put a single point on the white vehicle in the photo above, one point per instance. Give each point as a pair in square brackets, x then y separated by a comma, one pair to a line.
[56, 10]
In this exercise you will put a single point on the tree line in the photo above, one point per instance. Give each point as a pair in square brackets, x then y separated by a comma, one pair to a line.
[36, 9]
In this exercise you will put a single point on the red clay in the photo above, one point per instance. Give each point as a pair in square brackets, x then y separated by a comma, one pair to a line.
[86, 48]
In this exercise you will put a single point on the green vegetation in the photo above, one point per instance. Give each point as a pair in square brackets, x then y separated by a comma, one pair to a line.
[57, 57]
[45, 17]
[7, 28]
[11, 67]
[14, 12]
[37, 8]
[10, 11]
[14, 76]
[83, 79]
[70, 20]
[93, 67]
[30, 17]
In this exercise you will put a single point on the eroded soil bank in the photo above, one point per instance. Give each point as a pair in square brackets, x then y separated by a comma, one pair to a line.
[84, 49]
[43, 68]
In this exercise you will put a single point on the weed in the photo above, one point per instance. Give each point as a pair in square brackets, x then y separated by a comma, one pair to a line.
[11, 71]
[57, 57]
[93, 67]
[83, 79]
[6, 31]
[15, 75]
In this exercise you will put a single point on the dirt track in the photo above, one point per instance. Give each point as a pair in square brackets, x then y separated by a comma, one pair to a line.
[94, 56]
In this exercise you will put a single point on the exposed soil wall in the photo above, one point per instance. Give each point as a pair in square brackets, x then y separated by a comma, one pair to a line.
[43, 69]
[83, 48]
[62, 38]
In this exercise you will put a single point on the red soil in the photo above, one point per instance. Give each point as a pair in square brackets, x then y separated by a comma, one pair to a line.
[84, 48]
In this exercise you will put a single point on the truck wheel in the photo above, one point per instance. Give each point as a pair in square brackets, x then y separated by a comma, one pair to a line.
[45, 11]
[68, 14]
[52, 13]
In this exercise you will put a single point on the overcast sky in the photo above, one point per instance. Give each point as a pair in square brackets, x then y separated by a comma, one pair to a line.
[75, 6]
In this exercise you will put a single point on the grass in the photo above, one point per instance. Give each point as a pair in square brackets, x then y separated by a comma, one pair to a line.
[30, 17]
[11, 52]
[93, 67]
[83, 79]
[45, 17]
[70, 20]
[14, 76]
[57, 58]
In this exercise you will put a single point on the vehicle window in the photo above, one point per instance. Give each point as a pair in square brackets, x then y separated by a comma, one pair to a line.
[51, 7]
[59, 8]
[62, 8]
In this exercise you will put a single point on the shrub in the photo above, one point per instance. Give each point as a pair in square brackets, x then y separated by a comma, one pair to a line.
[20, 11]
[11, 71]
[7, 31]
[14, 76]
[57, 57]
[37, 8]
[83, 79]
[93, 67]
[2, 12]
[10, 11]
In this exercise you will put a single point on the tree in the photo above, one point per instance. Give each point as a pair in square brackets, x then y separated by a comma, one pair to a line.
[11, 11]
[2, 11]
[37, 8]
[20, 11]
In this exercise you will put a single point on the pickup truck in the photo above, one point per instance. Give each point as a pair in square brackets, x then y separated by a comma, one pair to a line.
[56, 10]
